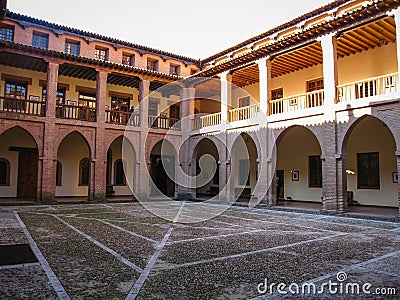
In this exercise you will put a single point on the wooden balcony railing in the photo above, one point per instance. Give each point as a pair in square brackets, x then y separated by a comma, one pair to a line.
[23, 106]
[297, 102]
[207, 120]
[244, 113]
[164, 122]
[122, 117]
[375, 86]
[83, 113]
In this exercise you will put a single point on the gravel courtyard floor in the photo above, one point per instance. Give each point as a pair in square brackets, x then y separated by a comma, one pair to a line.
[122, 251]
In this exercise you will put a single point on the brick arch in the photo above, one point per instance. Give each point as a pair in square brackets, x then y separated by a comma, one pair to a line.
[353, 122]
[215, 141]
[61, 139]
[35, 134]
[281, 132]
[88, 139]
[152, 141]
[112, 138]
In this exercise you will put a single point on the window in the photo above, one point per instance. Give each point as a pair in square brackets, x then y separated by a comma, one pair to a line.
[277, 94]
[60, 96]
[315, 171]
[368, 170]
[84, 171]
[315, 84]
[244, 172]
[245, 101]
[4, 172]
[72, 47]
[6, 33]
[101, 53]
[193, 71]
[174, 70]
[120, 104]
[153, 107]
[128, 59]
[119, 173]
[40, 40]
[16, 89]
[152, 64]
[58, 174]
[86, 99]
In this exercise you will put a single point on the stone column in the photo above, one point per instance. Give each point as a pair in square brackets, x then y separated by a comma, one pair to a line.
[398, 182]
[396, 15]
[188, 191]
[329, 53]
[225, 78]
[100, 160]
[264, 68]
[49, 161]
[142, 170]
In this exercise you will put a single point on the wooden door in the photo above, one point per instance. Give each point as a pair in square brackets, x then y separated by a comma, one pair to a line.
[27, 174]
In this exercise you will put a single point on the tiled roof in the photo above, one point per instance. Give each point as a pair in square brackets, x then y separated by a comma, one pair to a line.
[284, 26]
[23, 18]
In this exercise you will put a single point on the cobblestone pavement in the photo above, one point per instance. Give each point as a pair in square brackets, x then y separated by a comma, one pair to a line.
[122, 251]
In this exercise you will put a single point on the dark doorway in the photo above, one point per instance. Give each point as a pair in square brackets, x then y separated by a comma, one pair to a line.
[280, 185]
[27, 172]
[159, 176]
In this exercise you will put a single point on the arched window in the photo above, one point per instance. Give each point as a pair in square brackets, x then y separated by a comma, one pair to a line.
[84, 171]
[58, 174]
[4, 172]
[119, 174]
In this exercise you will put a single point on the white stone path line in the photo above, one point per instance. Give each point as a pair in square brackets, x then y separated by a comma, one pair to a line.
[129, 232]
[329, 222]
[19, 266]
[205, 261]
[102, 246]
[55, 283]
[333, 274]
[133, 293]
[215, 237]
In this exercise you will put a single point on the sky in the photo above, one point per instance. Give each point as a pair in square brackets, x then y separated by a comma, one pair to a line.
[196, 29]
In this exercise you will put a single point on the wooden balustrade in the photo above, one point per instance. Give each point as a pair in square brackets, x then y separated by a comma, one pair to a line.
[164, 122]
[370, 87]
[243, 113]
[122, 117]
[83, 113]
[23, 106]
[206, 120]
[297, 102]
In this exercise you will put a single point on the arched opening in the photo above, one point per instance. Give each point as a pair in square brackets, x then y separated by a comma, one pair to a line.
[244, 167]
[371, 164]
[74, 156]
[210, 188]
[121, 159]
[298, 167]
[162, 163]
[19, 155]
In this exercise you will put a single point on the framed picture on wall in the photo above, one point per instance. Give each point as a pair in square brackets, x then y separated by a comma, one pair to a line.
[395, 177]
[295, 175]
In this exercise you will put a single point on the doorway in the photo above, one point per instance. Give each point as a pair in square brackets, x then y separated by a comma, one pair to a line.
[27, 173]
[162, 182]
[280, 185]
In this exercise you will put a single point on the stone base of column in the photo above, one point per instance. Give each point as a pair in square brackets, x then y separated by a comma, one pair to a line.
[47, 198]
[186, 195]
[98, 197]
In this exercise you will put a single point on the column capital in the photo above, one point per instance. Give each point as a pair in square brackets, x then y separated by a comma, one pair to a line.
[262, 61]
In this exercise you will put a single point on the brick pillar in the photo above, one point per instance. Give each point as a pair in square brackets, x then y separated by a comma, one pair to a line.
[188, 191]
[271, 167]
[331, 168]
[49, 156]
[142, 172]
[98, 182]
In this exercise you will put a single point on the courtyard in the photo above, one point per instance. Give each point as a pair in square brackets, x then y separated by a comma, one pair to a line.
[123, 251]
